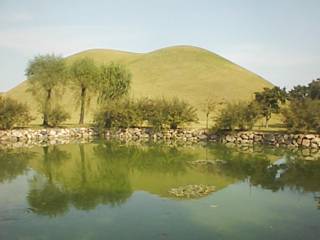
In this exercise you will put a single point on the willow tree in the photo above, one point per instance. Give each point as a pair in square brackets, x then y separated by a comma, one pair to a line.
[114, 82]
[83, 74]
[44, 74]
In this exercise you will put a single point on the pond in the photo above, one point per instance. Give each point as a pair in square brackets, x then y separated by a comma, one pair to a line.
[109, 190]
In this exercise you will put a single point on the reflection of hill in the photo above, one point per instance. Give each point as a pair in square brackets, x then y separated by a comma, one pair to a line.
[85, 176]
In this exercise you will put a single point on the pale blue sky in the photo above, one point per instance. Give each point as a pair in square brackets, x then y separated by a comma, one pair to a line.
[277, 39]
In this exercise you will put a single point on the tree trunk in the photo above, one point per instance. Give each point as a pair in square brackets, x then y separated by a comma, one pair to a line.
[83, 167]
[82, 103]
[207, 121]
[267, 122]
[47, 109]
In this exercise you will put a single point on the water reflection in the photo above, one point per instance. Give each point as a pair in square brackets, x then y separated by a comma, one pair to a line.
[84, 176]
[13, 162]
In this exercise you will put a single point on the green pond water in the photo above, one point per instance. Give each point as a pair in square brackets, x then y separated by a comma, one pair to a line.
[108, 190]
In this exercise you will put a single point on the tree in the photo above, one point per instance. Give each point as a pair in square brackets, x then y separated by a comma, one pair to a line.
[210, 107]
[302, 115]
[114, 82]
[311, 91]
[45, 73]
[83, 74]
[269, 101]
[299, 93]
[314, 89]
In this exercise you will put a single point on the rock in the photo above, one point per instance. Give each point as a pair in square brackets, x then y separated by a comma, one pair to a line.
[192, 191]
[203, 137]
[309, 136]
[230, 138]
[305, 142]
[203, 162]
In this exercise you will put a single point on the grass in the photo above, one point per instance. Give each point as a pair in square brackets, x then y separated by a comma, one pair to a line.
[190, 73]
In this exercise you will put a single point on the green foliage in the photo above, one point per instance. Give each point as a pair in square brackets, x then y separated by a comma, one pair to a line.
[179, 112]
[302, 115]
[45, 73]
[118, 114]
[269, 101]
[157, 113]
[151, 112]
[241, 115]
[162, 113]
[57, 115]
[83, 74]
[312, 91]
[13, 113]
[114, 82]
[303, 112]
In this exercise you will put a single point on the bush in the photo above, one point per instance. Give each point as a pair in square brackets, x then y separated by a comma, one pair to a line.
[57, 115]
[179, 113]
[241, 115]
[151, 112]
[118, 114]
[13, 113]
[161, 113]
[157, 113]
[302, 115]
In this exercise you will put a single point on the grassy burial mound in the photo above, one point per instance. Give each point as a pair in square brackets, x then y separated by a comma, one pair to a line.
[190, 73]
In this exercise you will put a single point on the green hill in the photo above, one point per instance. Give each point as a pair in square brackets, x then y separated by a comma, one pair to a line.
[190, 73]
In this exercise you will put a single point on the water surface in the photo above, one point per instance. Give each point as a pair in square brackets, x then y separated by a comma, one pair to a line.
[108, 190]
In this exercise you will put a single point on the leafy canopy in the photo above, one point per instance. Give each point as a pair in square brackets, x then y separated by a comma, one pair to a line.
[45, 72]
[83, 73]
[114, 82]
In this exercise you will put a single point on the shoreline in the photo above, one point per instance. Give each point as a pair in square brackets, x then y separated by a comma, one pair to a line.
[50, 136]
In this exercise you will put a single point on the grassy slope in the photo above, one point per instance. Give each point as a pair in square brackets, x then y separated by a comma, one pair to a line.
[190, 73]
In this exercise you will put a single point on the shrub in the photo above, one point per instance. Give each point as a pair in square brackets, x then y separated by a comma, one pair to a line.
[118, 114]
[13, 113]
[161, 113]
[179, 113]
[241, 115]
[57, 115]
[151, 112]
[302, 115]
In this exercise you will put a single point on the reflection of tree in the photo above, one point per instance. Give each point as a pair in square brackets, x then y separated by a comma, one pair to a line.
[317, 199]
[157, 157]
[302, 175]
[100, 174]
[46, 198]
[109, 185]
[99, 178]
[258, 168]
[53, 157]
[13, 162]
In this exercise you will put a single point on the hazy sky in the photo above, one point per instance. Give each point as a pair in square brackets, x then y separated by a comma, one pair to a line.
[277, 39]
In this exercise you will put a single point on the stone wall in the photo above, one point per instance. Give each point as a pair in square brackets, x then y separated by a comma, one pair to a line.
[49, 136]
[146, 134]
[65, 135]
[274, 139]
